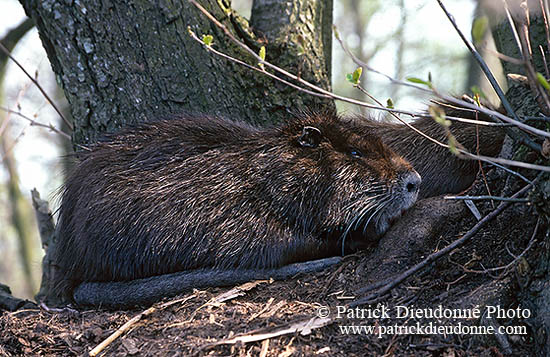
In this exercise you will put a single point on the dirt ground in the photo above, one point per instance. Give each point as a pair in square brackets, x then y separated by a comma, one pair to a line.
[193, 326]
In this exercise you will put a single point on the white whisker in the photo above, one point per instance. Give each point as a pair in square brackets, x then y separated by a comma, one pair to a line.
[371, 204]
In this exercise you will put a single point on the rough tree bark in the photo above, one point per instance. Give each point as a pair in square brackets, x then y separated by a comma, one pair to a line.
[534, 284]
[122, 62]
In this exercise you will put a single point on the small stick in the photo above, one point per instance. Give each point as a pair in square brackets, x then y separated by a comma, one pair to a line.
[544, 8]
[512, 27]
[502, 117]
[338, 271]
[487, 197]
[469, 203]
[544, 61]
[35, 123]
[121, 331]
[131, 322]
[529, 245]
[265, 308]
[502, 56]
[302, 327]
[265, 348]
[478, 122]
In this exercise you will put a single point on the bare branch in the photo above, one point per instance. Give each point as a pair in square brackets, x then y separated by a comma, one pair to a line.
[487, 197]
[489, 112]
[7, 53]
[516, 136]
[516, 259]
[35, 123]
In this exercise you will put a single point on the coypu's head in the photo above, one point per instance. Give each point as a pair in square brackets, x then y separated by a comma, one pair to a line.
[362, 182]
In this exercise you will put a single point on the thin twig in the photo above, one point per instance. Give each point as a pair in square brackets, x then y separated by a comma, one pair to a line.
[544, 8]
[470, 204]
[7, 53]
[502, 56]
[370, 69]
[5, 125]
[500, 116]
[242, 63]
[7, 119]
[478, 122]
[10, 148]
[512, 27]
[498, 160]
[487, 197]
[516, 259]
[131, 322]
[546, 71]
[420, 132]
[35, 123]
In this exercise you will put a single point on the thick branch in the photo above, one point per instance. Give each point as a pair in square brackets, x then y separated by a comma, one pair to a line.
[12, 37]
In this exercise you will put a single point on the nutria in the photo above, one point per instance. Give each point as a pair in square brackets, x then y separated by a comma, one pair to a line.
[201, 192]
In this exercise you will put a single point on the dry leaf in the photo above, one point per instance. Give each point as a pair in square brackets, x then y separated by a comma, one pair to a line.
[545, 151]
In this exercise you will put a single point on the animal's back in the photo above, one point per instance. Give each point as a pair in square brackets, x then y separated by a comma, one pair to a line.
[126, 207]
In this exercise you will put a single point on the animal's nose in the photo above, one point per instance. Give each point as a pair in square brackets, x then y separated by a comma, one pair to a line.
[411, 182]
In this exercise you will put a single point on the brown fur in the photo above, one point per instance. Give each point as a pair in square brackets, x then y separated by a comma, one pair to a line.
[203, 192]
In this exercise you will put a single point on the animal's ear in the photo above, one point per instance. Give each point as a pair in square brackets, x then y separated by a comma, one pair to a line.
[311, 137]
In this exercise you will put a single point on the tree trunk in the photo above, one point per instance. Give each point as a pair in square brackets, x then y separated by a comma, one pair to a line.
[534, 284]
[131, 61]
[298, 34]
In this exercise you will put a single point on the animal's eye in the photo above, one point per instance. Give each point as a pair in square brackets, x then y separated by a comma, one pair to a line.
[355, 153]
